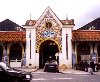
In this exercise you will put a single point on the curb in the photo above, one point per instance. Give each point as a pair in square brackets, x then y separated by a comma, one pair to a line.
[27, 69]
[72, 71]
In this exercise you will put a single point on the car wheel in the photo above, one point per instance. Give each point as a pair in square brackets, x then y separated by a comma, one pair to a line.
[16, 80]
[44, 70]
[57, 71]
[86, 69]
[26, 81]
[75, 68]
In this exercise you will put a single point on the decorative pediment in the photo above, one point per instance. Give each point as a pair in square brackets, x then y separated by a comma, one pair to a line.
[48, 16]
[48, 27]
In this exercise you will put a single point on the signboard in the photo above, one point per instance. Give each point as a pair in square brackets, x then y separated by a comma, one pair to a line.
[48, 34]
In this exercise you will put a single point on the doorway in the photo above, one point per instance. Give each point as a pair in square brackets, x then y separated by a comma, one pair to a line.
[47, 51]
[83, 52]
[15, 55]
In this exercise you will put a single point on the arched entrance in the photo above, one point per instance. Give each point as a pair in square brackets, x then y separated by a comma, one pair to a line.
[1, 52]
[83, 52]
[98, 49]
[15, 55]
[47, 51]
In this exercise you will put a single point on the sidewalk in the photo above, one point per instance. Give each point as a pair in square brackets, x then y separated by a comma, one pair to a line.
[27, 69]
[73, 71]
[69, 71]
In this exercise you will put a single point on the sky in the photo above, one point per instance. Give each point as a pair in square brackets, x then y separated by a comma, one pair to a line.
[82, 11]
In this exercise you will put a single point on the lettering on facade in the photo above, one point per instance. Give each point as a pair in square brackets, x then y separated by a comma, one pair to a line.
[48, 34]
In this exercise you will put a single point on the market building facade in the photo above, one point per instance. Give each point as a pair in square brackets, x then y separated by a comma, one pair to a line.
[47, 38]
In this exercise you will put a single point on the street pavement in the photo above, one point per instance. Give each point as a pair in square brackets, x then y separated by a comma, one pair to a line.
[40, 76]
[67, 75]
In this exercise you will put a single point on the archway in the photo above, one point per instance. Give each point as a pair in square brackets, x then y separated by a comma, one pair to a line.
[15, 55]
[83, 52]
[1, 52]
[47, 51]
[98, 49]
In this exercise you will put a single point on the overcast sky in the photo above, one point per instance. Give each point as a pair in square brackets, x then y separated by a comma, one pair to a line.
[82, 11]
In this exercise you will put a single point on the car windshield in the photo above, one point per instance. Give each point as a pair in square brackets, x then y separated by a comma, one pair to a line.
[51, 62]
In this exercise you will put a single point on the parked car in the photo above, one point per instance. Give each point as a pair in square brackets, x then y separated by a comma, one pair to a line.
[8, 74]
[97, 67]
[82, 65]
[98, 64]
[51, 65]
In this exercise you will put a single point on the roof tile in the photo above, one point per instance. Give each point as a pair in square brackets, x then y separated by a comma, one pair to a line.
[86, 35]
[13, 36]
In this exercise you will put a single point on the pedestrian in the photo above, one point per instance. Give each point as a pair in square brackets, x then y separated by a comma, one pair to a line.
[91, 67]
[90, 70]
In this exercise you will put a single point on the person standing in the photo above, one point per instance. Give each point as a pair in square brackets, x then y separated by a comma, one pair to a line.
[92, 65]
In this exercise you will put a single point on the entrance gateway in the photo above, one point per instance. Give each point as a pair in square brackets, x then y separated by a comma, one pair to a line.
[47, 51]
[48, 37]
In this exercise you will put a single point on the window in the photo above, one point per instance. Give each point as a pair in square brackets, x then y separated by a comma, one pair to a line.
[48, 25]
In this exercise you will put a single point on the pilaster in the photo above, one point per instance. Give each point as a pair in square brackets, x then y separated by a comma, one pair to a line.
[33, 47]
[30, 46]
[67, 45]
[63, 57]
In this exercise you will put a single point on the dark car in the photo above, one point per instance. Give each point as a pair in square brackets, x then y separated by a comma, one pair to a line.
[8, 74]
[82, 65]
[97, 67]
[52, 66]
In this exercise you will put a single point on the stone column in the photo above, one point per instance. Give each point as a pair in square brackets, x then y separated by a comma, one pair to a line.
[5, 55]
[24, 56]
[76, 44]
[73, 54]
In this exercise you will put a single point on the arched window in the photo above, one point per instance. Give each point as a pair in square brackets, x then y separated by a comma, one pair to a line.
[48, 25]
[83, 52]
[16, 52]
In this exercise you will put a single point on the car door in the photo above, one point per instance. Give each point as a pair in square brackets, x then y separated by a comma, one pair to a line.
[3, 74]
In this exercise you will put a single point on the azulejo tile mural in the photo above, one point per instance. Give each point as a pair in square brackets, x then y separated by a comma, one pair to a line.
[48, 29]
